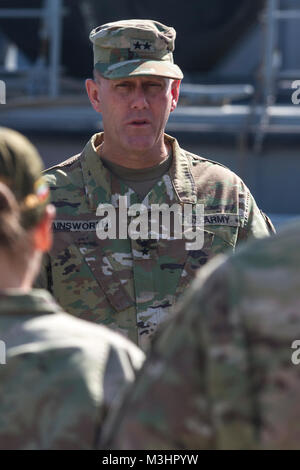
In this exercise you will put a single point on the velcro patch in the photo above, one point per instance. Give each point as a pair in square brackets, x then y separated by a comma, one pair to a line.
[231, 220]
[138, 45]
[75, 225]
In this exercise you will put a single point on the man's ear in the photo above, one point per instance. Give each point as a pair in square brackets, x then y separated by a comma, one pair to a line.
[42, 233]
[175, 87]
[92, 89]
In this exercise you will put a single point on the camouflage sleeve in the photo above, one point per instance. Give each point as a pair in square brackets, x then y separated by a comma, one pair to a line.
[251, 321]
[169, 406]
[44, 279]
[220, 374]
[256, 223]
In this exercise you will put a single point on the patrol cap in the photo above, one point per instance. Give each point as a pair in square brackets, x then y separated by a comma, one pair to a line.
[20, 169]
[134, 47]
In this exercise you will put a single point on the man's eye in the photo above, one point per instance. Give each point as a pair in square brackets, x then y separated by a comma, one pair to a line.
[122, 85]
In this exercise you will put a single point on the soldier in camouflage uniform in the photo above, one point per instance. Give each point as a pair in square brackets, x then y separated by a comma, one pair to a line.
[131, 285]
[58, 374]
[225, 372]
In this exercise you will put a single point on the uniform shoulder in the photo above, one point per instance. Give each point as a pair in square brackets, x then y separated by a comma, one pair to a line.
[66, 164]
[63, 331]
[200, 159]
[200, 163]
[280, 250]
[62, 173]
[66, 185]
[264, 255]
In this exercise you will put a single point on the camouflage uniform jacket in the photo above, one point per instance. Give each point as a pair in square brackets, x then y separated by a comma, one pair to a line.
[224, 373]
[131, 285]
[60, 376]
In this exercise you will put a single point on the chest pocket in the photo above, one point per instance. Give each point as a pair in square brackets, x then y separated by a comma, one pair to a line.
[84, 281]
[213, 244]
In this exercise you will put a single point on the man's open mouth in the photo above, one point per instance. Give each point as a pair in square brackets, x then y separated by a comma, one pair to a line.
[139, 122]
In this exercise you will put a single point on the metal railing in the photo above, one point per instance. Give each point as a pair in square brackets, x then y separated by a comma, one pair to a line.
[51, 17]
[271, 72]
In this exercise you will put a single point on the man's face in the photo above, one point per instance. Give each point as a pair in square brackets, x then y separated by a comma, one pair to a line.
[135, 110]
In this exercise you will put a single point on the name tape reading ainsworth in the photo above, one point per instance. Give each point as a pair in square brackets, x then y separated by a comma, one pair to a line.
[2, 92]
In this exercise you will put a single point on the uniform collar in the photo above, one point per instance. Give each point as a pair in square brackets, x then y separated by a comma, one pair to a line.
[98, 179]
[181, 174]
[37, 301]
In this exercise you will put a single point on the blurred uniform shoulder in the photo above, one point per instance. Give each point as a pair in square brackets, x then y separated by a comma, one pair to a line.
[62, 330]
[66, 371]
[236, 324]
[280, 250]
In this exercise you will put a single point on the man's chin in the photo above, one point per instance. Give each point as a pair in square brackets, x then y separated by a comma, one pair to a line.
[140, 143]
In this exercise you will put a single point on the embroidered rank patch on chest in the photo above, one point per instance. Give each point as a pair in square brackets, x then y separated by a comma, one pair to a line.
[138, 45]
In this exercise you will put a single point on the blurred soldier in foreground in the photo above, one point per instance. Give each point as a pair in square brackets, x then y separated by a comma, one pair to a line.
[60, 373]
[225, 373]
[132, 284]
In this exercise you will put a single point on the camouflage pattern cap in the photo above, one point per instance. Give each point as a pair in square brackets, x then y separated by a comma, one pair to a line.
[21, 170]
[134, 47]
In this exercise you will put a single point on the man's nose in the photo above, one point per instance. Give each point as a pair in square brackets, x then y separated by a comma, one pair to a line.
[139, 99]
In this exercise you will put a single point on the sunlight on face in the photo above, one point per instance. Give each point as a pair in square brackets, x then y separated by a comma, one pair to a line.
[135, 110]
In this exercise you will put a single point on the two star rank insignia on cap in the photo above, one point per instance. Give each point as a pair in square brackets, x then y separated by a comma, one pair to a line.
[141, 46]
